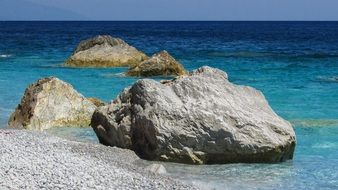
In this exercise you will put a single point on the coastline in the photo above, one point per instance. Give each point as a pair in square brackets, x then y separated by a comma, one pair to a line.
[293, 63]
[33, 160]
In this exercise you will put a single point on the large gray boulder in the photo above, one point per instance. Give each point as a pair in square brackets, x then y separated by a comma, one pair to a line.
[105, 51]
[51, 102]
[197, 119]
[161, 63]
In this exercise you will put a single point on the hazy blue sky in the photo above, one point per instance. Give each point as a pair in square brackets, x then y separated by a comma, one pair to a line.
[168, 9]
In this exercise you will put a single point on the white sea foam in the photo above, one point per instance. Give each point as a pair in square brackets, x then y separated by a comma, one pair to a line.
[5, 55]
[112, 75]
[325, 145]
[328, 79]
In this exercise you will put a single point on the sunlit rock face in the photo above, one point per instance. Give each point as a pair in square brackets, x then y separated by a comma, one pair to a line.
[160, 64]
[51, 102]
[201, 118]
[105, 51]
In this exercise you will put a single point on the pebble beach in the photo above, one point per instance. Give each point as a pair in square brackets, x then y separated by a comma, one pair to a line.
[36, 160]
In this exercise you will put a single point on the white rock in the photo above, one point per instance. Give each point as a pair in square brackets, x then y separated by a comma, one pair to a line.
[197, 119]
[51, 102]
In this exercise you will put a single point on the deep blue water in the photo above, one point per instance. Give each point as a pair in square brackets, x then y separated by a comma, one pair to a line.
[295, 64]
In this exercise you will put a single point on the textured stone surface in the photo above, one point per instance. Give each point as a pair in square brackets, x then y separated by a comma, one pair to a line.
[97, 102]
[35, 160]
[51, 102]
[197, 119]
[159, 64]
[105, 51]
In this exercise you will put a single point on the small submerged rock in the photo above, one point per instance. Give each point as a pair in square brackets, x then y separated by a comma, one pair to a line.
[156, 169]
[51, 102]
[159, 64]
[201, 118]
[105, 51]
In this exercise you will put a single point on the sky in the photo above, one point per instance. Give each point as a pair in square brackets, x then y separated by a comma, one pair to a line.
[169, 10]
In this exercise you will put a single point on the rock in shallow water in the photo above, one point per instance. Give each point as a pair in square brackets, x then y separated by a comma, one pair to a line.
[156, 169]
[197, 119]
[51, 102]
[105, 51]
[159, 64]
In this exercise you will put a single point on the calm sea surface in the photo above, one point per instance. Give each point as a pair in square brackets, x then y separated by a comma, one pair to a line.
[295, 64]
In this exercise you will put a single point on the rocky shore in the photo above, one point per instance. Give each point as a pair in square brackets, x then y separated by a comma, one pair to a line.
[35, 160]
[197, 118]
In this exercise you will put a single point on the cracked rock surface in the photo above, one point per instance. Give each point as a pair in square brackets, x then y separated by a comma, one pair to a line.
[201, 118]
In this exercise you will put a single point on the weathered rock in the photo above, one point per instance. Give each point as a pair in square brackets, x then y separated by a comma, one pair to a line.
[156, 169]
[96, 102]
[159, 64]
[51, 102]
[105, 51]
[197, 119]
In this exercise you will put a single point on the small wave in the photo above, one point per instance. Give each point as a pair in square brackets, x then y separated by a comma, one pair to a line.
[49, 66]
[325, 145]
[296, 66]
[112, 75]
[328, 79]
[5, 109]
[315, 122]
[5, 55]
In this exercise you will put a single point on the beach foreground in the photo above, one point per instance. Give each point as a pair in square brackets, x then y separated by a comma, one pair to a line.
[34, 160]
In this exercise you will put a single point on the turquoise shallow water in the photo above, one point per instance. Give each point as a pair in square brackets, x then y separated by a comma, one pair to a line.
[295, 64]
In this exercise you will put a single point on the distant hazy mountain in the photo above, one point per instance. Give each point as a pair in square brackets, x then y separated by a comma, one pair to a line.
[169, 10]
[24, 10]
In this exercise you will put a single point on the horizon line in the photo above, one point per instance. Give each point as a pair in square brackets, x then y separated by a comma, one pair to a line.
[168, 20]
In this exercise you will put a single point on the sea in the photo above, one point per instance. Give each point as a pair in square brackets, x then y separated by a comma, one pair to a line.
[295, 65]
